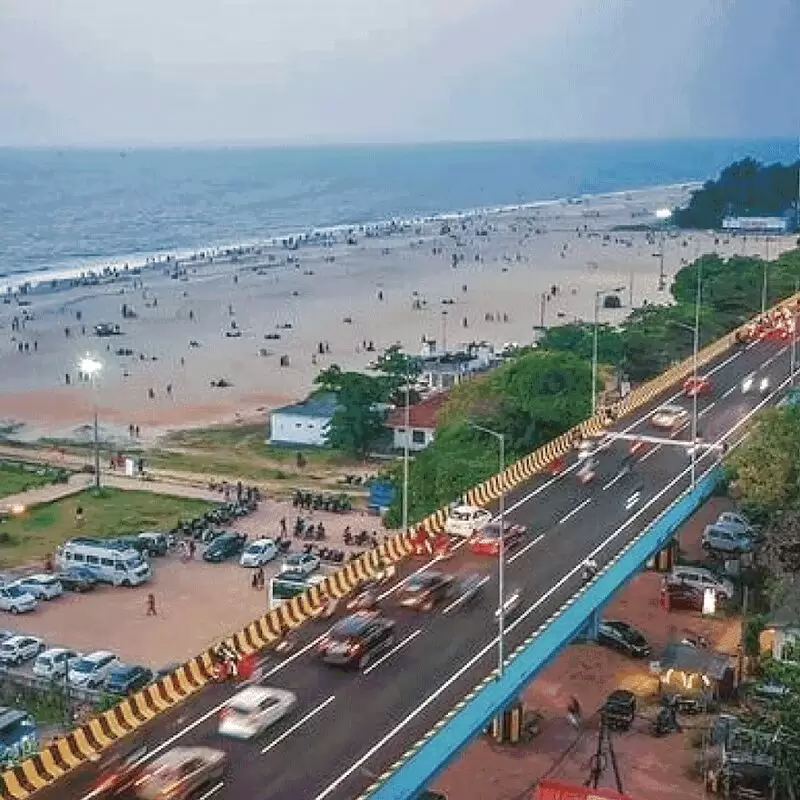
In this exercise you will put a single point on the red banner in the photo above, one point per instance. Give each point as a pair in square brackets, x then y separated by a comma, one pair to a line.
[551, 790]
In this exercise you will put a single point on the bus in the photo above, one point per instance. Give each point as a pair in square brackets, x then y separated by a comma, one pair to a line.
[290, 584]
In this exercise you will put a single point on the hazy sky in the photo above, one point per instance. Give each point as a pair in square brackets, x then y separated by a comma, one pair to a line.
[253, 71]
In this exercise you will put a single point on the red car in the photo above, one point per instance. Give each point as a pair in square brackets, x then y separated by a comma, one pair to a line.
[487, 541]
[697, 386]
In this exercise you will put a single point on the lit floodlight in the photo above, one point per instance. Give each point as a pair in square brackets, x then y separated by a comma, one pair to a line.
[90, 366]
[663, 213]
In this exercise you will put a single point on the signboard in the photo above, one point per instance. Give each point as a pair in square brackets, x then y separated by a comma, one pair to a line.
[552, 790]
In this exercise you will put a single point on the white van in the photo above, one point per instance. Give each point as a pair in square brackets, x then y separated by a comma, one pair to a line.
[112, 562]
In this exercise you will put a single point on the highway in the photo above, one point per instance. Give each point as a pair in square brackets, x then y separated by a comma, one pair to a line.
[350, 727]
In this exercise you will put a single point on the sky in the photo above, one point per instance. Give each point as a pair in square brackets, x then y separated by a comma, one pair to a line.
[149, 72]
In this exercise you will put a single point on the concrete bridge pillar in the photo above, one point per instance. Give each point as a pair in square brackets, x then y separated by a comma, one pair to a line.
[593, 625]
[665, 559]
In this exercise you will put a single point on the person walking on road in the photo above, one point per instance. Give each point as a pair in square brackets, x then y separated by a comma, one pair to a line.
[151, 605]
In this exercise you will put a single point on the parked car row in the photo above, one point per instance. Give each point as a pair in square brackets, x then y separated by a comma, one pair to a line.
[731, 534]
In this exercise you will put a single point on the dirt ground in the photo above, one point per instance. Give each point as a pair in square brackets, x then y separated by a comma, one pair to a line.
[651, 769]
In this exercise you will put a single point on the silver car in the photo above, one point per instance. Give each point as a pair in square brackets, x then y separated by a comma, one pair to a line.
[725, 540]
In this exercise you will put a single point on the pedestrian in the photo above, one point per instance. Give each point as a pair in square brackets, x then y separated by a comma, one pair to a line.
[261, 578]
[283, 527]
[136, 431]
[151, 605]
[574, 713]
[79, 515]
[254, 581]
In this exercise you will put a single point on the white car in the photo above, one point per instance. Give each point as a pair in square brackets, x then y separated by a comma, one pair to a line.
[466, 521]
[52, 663]
[669, 417]
[259, 553]
[16, 600]
[17, 649]
[253, 710]
[90, 671]
[42, 587]
[306, 563]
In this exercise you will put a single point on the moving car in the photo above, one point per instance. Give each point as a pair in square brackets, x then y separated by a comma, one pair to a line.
[127, 678]
[468, 588]
[77, 579]
[180, 774]
[702, 579]
[259, 553]
[466, 520]
[724, 540]
[118, 774]
[16, 600]
[357, 639]
[253, 710]
[486, 542]
[751, 383]
[304, 563]
[700, 385]
[223, 547]
[426, 590]
[53, 663]
[669, 417]
[91, 671]
[42, 587]
[15, 650]
[623, 637]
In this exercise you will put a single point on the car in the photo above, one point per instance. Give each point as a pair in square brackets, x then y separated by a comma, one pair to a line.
[18, 735]
[77, 579]
[127, 678]
[180, 774]
[259, 553]
[466, 520]
[16, 649]
[724, 540]
[91, 670]
[250, 712]
[42, 587]
[468, 587]
[16, 600]
[623, 637]
[167, 669]
[118, 774]
[751, 383]
[702, 579]
[486, 542]
[700, 385]
[355, 640]
[6, 635]
[683, 596]
[54, 663]
[735, 522]
[426, 590]
[156, 542]
[669, 417]
[304, 563]
[225, 546]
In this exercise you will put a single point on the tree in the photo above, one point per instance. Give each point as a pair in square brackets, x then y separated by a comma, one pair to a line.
[398, 369]
[578, 338]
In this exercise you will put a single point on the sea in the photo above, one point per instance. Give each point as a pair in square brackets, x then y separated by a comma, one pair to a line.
[66, 211]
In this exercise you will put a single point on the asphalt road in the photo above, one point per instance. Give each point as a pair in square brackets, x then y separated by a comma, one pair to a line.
[349, 727]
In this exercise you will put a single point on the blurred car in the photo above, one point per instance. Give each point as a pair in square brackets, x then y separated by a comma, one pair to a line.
[426, 590]
[355, 640]
[700, 385]
[752, 383]
[77, 579]
[259, 553]
[487, 541]
[17, 649]
[53, 663]
[225, 546]
[725, 540]
[251, 711]
[16, 600]
[118, 774]
[468, 587]
[669, 417]
[466, 520]
[91, 670]
[304, 563]
[180, 774]
[127, 678]
[625, 638]
[42, 587]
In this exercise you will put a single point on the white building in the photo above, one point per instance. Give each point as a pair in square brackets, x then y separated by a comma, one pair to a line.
[303, 424]
[776, 225]
[422, 423]
[445, 370]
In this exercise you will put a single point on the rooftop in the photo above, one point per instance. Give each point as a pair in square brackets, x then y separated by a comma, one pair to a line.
[322, 405]
[686, 658]
[421, 415]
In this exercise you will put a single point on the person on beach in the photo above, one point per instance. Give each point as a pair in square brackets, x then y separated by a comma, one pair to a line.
[150, 609]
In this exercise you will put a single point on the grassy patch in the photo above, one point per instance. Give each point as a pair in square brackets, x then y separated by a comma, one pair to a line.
[109, 512]
[19, 476]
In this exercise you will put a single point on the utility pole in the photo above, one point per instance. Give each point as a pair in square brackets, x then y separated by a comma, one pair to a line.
[543, 305]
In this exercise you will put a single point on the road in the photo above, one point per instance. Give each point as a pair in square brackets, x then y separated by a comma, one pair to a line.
[350, 727]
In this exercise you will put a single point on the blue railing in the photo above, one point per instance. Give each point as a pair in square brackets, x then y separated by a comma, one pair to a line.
[441, 746]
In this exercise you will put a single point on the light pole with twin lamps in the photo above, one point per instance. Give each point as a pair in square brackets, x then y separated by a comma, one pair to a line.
[600, 293]
[91, 367]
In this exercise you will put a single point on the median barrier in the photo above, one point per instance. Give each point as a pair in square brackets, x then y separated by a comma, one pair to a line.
[431, 754]
[87, 741]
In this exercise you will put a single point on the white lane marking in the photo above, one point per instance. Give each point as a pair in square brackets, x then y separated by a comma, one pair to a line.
[730, 391]
[776, 356]
[570, 514]
[525, 549]
[299, 724]
[651, 452]
[706, 409]
[399, 646]
[426, 566]
[211, 791]
[458, 601]
[546, 596]
[285, 663]
[632, 500]
[618, 477]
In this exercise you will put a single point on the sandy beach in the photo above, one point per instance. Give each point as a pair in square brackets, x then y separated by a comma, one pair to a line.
[191, 322]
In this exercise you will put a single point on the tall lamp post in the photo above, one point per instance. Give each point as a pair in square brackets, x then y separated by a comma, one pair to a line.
[91, 367]
[501, 553]
[406, 454]
[598, 295]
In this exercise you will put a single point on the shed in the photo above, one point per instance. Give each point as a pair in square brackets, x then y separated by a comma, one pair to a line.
[694, 669]
[303, 424]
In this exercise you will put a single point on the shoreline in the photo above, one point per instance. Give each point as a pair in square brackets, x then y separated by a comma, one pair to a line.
[102, 270]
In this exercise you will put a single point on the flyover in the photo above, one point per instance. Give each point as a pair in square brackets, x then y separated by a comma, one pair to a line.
[349, 729]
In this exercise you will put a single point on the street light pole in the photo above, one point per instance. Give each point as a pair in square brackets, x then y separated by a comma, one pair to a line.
[793, 351]
[764, 286]
[91, 367]
[594, 350]
[695, 350]
[406, 455]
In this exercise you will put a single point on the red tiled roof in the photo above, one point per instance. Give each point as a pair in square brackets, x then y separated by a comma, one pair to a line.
[421, 415]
